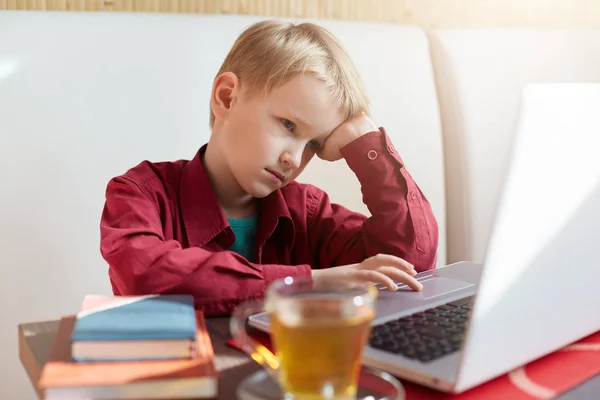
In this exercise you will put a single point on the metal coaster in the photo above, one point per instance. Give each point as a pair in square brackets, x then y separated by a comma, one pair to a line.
[373, 385]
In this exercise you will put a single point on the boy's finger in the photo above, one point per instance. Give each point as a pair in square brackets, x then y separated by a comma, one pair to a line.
[369, 275]
[401, 276]
[381, 260]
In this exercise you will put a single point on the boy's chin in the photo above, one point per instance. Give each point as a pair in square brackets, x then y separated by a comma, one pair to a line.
[260, 191]
[261, 194]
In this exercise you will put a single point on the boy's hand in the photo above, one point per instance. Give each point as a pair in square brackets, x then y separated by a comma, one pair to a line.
[382, 268]
[347, 132]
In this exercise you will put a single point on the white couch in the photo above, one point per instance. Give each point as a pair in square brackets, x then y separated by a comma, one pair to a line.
[85, 96]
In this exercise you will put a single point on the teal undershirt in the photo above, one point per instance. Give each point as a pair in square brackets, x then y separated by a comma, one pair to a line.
[245, 232]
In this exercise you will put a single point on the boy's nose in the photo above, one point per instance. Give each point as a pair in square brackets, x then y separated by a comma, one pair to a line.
[293, 158]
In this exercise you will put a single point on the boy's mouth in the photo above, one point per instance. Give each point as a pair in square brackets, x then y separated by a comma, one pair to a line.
[276, 174]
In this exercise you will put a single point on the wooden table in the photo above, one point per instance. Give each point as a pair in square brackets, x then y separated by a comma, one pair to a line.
[36, 339]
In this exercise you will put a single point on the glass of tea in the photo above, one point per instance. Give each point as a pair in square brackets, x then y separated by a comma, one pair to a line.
[318, 330]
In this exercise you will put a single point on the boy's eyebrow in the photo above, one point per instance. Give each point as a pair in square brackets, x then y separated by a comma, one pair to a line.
[306, 124]
[297, 120]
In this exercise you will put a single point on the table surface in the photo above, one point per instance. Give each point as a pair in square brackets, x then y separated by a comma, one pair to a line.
[36, 339]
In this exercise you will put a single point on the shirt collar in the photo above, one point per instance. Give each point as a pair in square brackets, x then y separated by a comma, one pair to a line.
[274, 214]
[203, 218]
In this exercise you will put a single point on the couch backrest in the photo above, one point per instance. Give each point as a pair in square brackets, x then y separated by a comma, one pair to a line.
[85, 96]
[480, 74]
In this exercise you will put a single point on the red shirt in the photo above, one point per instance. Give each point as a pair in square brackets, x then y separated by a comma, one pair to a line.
[163, 231]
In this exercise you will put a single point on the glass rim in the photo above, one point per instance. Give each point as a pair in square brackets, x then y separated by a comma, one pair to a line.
[292, 286]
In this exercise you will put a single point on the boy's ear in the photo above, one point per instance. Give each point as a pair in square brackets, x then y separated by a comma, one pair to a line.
[225, 89]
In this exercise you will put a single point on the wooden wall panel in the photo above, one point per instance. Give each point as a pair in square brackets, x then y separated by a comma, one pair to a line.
[426, 13]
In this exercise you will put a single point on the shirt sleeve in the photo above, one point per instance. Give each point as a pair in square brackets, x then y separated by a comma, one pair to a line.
[401, 223]
[142, 261]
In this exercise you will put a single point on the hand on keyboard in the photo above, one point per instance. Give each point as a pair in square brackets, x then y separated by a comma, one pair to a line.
[382, 268]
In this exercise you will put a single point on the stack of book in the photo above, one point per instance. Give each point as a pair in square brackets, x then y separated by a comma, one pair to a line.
[131, 347]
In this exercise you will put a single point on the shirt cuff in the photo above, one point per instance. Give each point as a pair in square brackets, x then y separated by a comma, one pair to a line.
[273, 272]
[370, 154]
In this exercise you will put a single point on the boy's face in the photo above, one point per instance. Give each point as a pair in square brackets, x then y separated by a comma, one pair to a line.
[269, 140]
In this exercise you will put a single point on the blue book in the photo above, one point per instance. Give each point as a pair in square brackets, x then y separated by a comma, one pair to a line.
[135, 318]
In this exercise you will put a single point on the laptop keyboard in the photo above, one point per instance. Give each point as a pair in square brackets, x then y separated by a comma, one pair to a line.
[426, 335]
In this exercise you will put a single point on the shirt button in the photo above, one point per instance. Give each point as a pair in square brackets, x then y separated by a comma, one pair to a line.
[372, 154]
[391, 149]
[413, 195]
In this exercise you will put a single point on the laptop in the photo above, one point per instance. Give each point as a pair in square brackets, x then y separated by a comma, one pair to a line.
[538, 288]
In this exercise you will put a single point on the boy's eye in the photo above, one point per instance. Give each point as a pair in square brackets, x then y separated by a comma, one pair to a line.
[289, 125]
[313, 145]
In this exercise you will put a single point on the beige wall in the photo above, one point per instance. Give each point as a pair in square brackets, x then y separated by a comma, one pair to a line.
[426, 13]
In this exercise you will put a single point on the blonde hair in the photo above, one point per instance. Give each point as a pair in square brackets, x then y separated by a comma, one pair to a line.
[270, 53]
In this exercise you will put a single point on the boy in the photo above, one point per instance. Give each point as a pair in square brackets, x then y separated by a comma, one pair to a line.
[225, 224]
